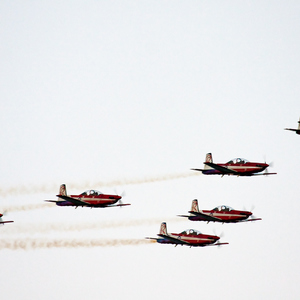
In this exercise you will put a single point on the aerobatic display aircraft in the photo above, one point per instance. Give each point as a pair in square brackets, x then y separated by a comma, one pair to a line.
[237, 166]
[190, 237]
[296, 130]
[223, 214]
[90, 198]
[3, 222]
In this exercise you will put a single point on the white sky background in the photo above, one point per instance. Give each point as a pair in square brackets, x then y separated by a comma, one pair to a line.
[96, 91]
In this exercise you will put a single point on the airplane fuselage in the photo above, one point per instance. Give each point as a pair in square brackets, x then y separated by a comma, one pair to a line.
[246, 169]
[94, 201]
[193, 240]
[232, 216]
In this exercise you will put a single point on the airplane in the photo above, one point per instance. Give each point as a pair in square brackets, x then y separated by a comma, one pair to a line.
[223, 214]
[236, 166]
[90, 198]
[190, 237]
[296, 130]
[3, 222]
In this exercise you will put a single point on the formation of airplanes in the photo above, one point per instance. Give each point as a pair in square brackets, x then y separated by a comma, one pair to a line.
[190, 237]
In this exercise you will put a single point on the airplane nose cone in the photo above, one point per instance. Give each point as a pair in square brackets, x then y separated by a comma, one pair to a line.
[246, 213]
[263, 166]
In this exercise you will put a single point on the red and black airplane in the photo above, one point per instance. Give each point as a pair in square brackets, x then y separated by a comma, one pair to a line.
[297, 131]
[3, 222]
[90, 198]
[190, 237]
[237, 166]
[223, 214]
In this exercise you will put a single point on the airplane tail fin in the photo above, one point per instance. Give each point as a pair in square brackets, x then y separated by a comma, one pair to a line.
[163, 229]
[299, 124]
[63, 190]
[208, 158]
[195, 207]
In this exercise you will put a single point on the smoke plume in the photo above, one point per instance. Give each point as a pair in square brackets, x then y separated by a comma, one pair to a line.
[63, 227]
[52, 188]
[29, 244]
[26, 207]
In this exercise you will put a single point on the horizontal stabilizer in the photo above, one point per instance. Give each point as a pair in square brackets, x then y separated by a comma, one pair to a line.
[53, 201]
[201, 170]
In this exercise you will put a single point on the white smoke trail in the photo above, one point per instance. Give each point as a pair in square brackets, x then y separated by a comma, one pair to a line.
[35, 189]
[26, 207]
[29, 244]
[63, 227]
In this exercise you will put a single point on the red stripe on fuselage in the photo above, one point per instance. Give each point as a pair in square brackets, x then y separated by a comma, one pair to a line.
[228, 215]
[97, 200]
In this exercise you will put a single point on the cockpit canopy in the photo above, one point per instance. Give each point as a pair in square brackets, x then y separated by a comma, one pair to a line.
[190, 232]
[238, 161]
[91, 193]
[223, 208]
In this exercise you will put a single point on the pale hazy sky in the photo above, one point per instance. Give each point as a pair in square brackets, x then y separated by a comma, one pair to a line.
[94, 92]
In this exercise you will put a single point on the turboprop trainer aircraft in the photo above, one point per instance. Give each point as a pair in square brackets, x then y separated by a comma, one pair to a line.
[190, 237]
[236, 166]
[223, 214]
[3, 222]
[90, 198]
[296, 130]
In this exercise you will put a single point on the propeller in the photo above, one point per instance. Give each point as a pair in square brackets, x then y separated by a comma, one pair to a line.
[219, 235]
[3, 214]
[251, 210]
[270, 165]
[122, 195]
[252, 216]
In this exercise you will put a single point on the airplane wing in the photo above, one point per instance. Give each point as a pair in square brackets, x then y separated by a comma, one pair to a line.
[220, 168]
[2, 222]
[174, 240]
[74, 201]
[205, 217]
[262, 174]
[122, 204]
[257, 219]
[198, 170]
[217, 244]
[291, 129]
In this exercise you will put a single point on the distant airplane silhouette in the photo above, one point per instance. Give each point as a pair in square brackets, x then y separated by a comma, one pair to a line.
[296, 130]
